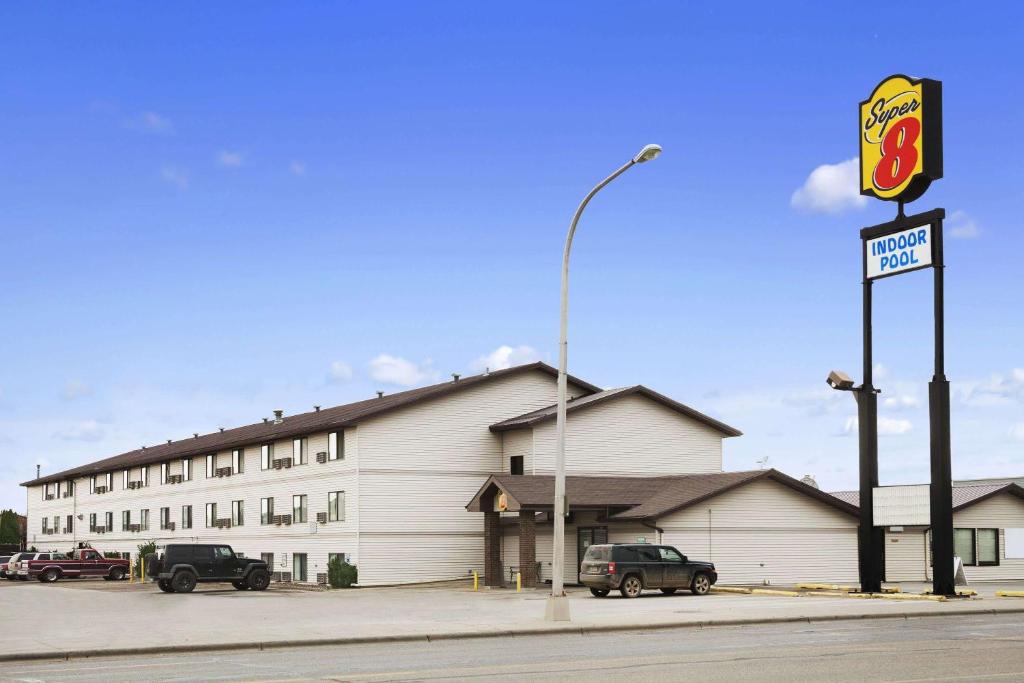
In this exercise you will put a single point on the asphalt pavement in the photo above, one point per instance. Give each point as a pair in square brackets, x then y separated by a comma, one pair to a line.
[954, 648]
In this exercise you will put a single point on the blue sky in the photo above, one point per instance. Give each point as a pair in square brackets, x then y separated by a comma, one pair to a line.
[212, 211]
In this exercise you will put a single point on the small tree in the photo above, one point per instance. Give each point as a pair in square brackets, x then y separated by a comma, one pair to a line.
[144, 549]
[341, 574]
[9, 530]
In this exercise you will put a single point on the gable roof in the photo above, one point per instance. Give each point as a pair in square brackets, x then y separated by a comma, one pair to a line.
[642, 497]
[295, 425]
[601, 397]
[963, 496]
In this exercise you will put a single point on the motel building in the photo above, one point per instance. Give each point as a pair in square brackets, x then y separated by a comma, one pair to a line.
[438, 482]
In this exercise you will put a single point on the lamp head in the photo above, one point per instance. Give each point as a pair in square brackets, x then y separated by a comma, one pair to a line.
[648, 153]
[839, 380]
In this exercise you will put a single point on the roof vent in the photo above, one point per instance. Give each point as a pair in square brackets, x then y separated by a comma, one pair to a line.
[810, 481]
[455, 377]
[487, 371]
[168, 441]
[266, 420]
[316, 409]
[380, 394]
[221, 429]
[195, 435]
[143, 448]
[278, 417]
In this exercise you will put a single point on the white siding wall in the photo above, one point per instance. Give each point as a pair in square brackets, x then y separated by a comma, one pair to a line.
[998, 512]
[905, 557]
[420, 466]
[765, 531]
[314, 480]
[630, 436]
[517, 442]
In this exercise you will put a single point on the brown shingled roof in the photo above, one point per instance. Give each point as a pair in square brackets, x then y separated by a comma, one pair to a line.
[294, 425]
[963, 496]
[642, 497]
[548, 413]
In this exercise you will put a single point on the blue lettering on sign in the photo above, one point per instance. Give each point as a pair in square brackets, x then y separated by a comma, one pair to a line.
[887, 246]
[901, 260]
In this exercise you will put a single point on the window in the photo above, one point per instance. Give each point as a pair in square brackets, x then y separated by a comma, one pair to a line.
[237, 461]
[336, 446]
[69, 487]
[110, 482]
[336, 506]
[298, 509]
[211, 464]
[963, 546]
[46, 492]
[186, 516]
[92, 520]
[266, 455]
[144, 520]
[299, 448]
[92, 484]
[45, 521]
[269, 559]
[648, 554]
[298, 566]
[266, 510]
[163, 472]
[109, 519]
[69, 527]
[186, 469]
[211, 514]
[515, 464]
[669, 555]
[144, 475]
[58, 489]
[237, 512]
[988, 547]
[331, 557]
[124, 479]
[126, 519]
[165, 518]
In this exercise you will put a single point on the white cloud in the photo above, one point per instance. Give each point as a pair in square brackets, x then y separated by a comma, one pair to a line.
[506, 357]
[86, 430]
[996, 390]
[394, 370]
[339, 372]
[887, 426]
[174, 176]
[901, 402]
[152, 122]
[297, 167]
[880, 371]
[75, 388]
[1017, 431]
[830, 188]
[230, 159]
[962, 226]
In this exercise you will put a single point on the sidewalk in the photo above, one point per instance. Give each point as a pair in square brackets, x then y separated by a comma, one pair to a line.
[64, 621]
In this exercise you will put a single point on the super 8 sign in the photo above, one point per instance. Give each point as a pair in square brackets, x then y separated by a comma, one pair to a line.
[901, 138]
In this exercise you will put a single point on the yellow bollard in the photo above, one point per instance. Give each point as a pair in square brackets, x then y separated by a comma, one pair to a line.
[519, 582]
[476, 581]
[131, 570]
[142, 570]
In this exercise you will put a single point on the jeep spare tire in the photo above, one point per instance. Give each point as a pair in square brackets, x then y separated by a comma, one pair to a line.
[152, 565]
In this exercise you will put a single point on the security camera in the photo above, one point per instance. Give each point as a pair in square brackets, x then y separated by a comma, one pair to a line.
[839, 380]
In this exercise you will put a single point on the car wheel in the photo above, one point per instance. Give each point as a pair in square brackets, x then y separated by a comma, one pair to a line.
[240, 585]
[165, 585]
[599, 592]
[701, 584]
[669, 591]
[117, 574]
[183, 582]
[631, 586]
[49, 576]
[259, 579]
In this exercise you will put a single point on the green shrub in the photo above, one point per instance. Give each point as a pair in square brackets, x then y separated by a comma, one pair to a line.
[144, 549]
[341, 574]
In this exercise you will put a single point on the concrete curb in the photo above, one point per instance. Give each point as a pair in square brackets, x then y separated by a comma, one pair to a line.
[476, 635]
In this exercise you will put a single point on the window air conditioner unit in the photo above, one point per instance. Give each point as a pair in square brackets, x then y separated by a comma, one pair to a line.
[321, 517]
[101, 489]
[49, 496]
[321, 578]
[278, 463]
[286, 519]
[321, 457]
[286, 462]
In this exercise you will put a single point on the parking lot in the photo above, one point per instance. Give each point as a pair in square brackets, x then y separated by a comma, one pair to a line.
[100, 615]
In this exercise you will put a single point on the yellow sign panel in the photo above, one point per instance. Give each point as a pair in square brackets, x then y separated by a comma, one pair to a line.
[901, 138]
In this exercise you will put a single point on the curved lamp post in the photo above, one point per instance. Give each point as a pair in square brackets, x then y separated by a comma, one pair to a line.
[558, 604]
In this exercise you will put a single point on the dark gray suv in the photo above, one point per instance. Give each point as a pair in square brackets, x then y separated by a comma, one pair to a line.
[632, 568]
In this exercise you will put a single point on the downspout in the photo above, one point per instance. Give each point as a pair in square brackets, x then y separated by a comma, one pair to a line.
[651, 525]
[927, 555]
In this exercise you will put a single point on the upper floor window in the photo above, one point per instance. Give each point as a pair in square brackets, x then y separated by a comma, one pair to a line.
[299, 509]
[109, 520]
[336, 446]
[186, 516]
[266, 455]
[299, 448]
[186, 469]
[144, 475]
[165, 518]
[92, 521]
[211, 464]
[237, 461]
[144, 520]
[515, 464]
[266, 510]
[164, 467]
[211, 514]
[126, 519]
[92, 486]
[237, 512]
[336, 506]
[124, 479]
[110, 481]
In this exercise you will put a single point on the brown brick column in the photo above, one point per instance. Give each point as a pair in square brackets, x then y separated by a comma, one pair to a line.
[528, 547]
[492, 549]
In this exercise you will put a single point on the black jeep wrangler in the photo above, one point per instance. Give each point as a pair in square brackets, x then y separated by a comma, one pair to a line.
[177, 568]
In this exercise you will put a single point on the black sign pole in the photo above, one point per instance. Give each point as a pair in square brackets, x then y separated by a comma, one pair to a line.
[943, 579]
[869, 538]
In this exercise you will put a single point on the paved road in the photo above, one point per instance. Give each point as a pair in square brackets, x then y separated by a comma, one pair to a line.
[983, 648]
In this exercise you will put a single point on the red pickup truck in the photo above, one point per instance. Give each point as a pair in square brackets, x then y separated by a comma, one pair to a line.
[82, 563]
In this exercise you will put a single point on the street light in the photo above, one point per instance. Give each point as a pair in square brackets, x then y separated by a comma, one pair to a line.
[557, 608]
